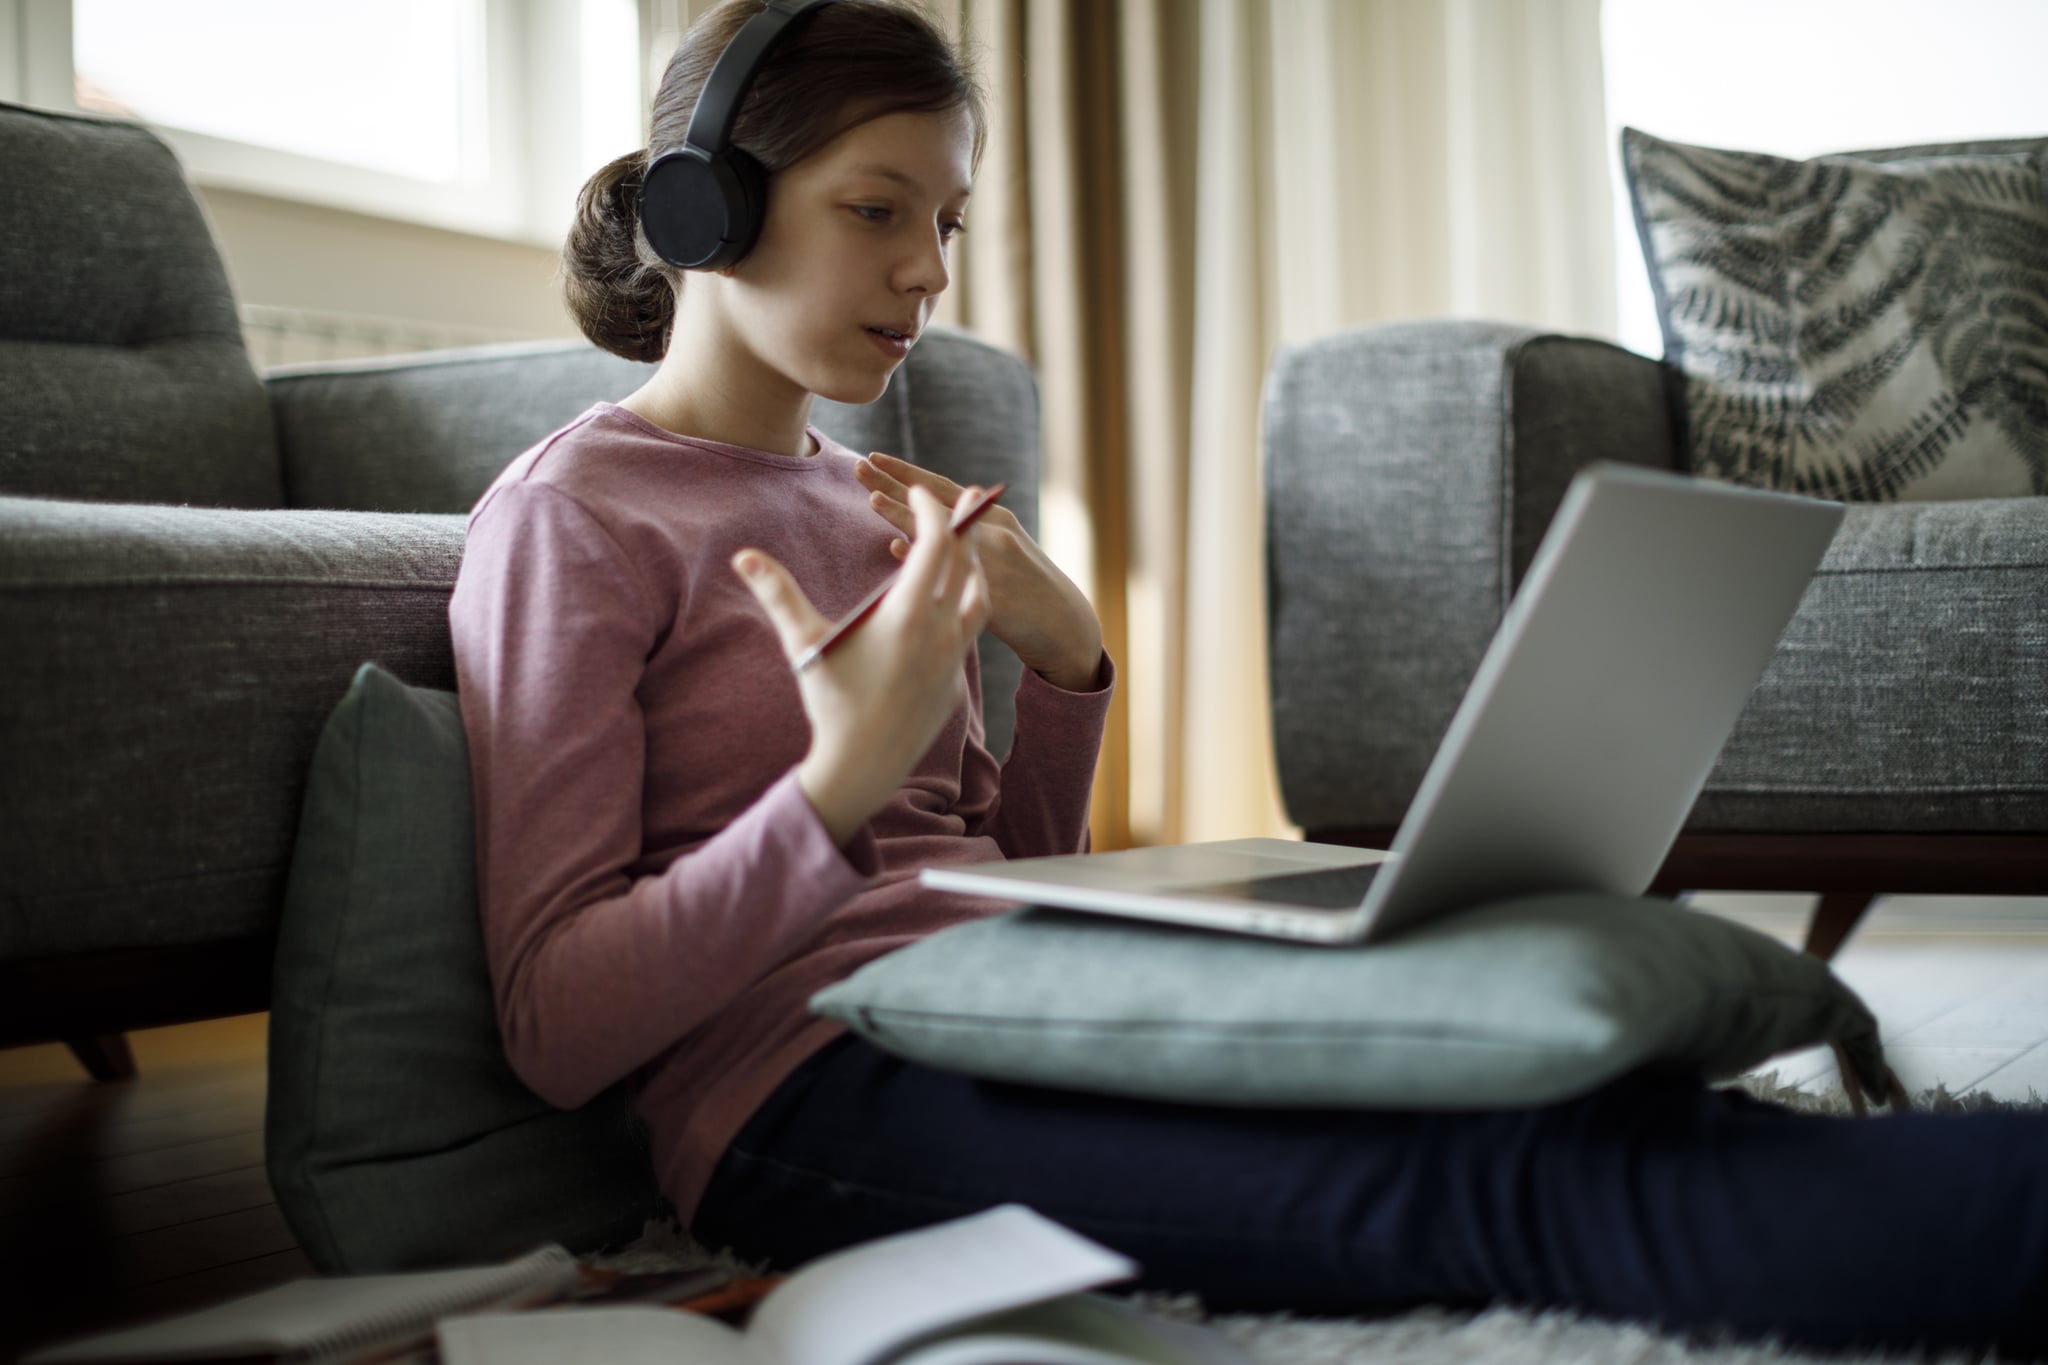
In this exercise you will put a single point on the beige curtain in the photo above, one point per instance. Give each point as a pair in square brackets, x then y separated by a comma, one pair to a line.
[1173, 188]
[1076, 257]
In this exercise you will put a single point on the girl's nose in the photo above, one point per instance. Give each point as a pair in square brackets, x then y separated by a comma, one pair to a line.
[927, 268]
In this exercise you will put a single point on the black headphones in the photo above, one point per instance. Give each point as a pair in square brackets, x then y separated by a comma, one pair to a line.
[701, 206]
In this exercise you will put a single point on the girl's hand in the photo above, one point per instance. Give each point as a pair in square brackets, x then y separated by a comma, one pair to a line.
[1033, 608]
[880, 697]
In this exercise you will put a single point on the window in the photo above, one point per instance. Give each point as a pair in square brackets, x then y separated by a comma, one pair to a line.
[482, 116]
[387, 85]
[1801, 78]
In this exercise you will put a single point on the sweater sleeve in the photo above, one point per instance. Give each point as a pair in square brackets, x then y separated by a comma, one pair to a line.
[596, 971]
[1037, 802]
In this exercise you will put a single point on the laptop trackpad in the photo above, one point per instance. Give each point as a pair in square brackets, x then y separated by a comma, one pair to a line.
[1326, 888]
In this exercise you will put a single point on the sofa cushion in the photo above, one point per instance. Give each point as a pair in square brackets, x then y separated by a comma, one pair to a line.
[1920, 654]
[1852, 328]
[428, 433]
[126, 375]
[1524, 1002]
[169, 670]
[397, 1134]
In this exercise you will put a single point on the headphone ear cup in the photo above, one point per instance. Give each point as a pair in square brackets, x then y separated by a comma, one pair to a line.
[749, 190]
[699, 212]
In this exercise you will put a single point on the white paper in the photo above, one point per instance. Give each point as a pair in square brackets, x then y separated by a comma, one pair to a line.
[1082, 1330]
[862, 1305]
[617, 1335]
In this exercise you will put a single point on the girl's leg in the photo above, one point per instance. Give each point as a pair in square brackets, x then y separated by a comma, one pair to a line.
[1653, 1199]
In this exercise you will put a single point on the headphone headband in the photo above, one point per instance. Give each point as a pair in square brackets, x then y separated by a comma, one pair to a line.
[701, 205]
[719, 104]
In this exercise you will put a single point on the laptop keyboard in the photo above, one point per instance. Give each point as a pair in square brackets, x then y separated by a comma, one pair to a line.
[1326, 888]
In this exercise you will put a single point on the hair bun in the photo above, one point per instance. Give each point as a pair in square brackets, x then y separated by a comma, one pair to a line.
[617, 293]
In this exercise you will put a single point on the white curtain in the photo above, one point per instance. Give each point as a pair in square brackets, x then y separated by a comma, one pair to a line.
[1359, 161]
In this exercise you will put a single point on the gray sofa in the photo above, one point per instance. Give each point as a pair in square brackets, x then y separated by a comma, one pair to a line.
[1897, 743]
[194, 560]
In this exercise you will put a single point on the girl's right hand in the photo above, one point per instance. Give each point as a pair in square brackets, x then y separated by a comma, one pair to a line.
[878, 700]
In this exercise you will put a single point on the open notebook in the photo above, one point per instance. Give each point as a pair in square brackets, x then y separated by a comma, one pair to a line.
[996, 1288]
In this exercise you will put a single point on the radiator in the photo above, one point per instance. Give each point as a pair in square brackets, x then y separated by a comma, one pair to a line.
[293, 336]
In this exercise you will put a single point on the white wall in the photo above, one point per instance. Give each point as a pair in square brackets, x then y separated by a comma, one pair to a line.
[300, 256]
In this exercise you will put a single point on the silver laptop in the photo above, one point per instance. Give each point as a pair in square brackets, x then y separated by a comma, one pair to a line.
[1646, 618]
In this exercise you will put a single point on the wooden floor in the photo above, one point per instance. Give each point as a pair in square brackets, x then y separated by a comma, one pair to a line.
[131, 1199]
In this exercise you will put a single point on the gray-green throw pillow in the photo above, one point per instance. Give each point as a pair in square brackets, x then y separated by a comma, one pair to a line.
[1855, 329]
[1521, 1003]
[397, 1135]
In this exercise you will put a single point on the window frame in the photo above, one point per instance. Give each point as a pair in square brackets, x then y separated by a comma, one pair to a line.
[12, 60]
[534, 127]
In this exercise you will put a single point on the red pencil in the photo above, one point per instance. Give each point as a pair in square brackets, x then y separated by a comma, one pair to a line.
[961, 521]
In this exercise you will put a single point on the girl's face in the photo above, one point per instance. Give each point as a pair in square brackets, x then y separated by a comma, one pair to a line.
[857, 237]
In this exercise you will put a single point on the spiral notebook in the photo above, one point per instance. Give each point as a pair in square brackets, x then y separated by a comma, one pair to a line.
[329, 1321]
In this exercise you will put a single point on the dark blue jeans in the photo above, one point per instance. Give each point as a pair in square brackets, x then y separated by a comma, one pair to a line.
[1654, 1199]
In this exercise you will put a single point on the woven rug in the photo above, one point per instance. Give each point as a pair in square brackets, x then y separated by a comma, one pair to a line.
[1435, 1336]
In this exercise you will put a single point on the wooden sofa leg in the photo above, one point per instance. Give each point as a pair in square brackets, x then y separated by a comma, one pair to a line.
[107, 1057]
[1834, 919]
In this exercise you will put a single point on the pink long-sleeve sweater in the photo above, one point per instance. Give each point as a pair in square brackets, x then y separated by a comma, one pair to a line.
[659, 898]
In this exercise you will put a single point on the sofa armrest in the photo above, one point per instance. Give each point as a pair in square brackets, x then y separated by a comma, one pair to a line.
[170, 670]
[428, 433]
[1410, 473]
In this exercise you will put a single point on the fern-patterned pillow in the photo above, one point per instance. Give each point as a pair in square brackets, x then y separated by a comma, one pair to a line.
[1854, 329]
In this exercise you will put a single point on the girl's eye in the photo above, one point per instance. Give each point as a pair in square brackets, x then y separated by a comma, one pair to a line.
[876, 213]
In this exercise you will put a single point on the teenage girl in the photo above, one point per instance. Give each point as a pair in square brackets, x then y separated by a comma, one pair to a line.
[681, 838]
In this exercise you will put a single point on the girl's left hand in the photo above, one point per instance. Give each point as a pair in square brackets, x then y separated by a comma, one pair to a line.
[1033, 608]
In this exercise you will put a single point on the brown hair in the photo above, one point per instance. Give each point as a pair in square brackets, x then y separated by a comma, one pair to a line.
[846, 64]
